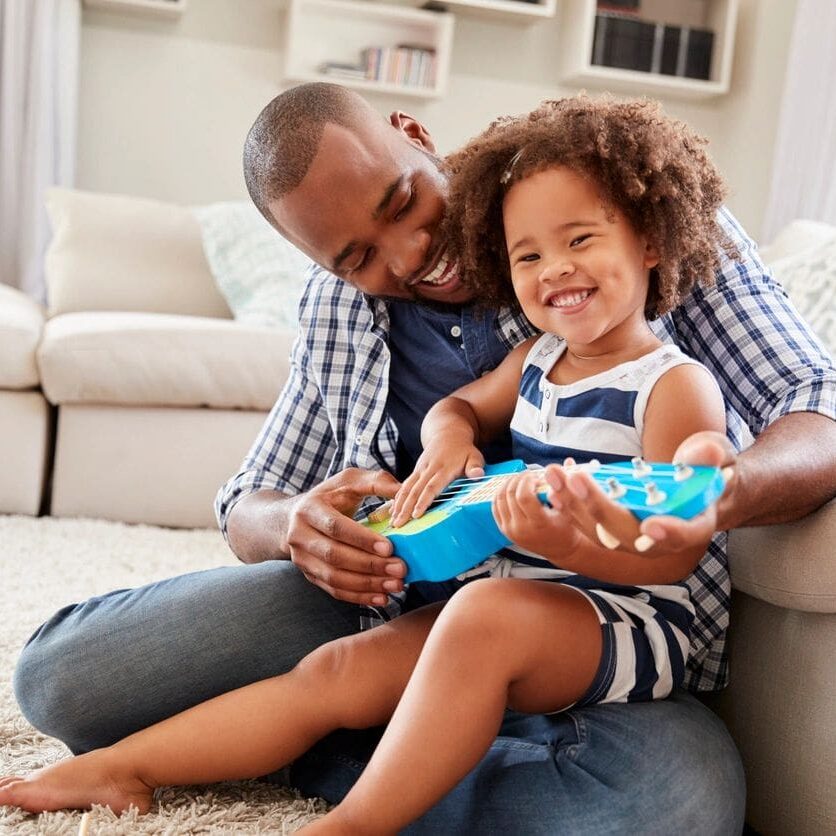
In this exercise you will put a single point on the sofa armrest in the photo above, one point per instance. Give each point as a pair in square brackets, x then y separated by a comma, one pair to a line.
[790, 565]
[21, 325]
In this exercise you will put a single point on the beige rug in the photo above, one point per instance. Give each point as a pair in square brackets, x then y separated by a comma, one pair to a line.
[46, 563]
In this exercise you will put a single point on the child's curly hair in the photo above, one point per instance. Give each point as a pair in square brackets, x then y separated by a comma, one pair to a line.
[652, 168]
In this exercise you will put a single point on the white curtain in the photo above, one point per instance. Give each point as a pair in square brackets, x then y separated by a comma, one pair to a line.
[804, 166]
[39, 41]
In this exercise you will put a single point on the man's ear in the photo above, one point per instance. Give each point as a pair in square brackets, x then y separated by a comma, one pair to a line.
[412, 129]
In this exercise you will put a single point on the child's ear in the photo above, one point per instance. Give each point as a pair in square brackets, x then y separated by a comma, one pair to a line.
[651, 255]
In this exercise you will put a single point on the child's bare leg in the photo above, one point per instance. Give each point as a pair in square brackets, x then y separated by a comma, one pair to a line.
[531, 645]
[349, 683]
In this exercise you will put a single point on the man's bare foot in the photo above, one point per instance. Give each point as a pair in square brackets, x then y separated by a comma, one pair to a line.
[76, 783]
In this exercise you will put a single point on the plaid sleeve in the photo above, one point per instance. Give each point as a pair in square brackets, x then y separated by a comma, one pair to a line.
[765, 358]
[295, 446]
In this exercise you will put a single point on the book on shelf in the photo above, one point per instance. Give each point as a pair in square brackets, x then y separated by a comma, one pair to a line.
[408, 65]
[341, 70]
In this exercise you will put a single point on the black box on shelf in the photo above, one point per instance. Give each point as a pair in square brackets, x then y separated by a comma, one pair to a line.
[686, 51]
[623, 42]
[628, 43]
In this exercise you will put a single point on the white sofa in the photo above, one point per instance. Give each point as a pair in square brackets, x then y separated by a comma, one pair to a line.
[25, 416]
[159, 394]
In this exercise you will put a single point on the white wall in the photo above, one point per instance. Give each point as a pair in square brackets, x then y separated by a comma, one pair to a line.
[165, 105]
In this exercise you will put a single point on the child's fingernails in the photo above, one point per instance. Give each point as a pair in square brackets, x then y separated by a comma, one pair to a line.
[383, 547]
[391, 586]
[727, 472]
[394, 568]
[607, 540]
[643, 543]
[380, 600]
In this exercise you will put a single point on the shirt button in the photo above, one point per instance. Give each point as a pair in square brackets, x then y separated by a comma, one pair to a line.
[362, 439]
[456, 331]
[547, 394]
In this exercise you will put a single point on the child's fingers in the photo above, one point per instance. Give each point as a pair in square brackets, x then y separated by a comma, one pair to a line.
[403, 506]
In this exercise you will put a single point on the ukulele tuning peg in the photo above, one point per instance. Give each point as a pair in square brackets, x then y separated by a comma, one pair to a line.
[381, 514]
[640, 467]
[653, 496]
[681, 472]
[614, 489]
[593, 466]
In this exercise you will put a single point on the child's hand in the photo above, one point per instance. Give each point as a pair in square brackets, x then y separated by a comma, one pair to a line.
[526, 521]
[437, 466]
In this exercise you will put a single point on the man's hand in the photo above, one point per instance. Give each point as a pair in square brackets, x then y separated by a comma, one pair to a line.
[336, 553]
[612, 525]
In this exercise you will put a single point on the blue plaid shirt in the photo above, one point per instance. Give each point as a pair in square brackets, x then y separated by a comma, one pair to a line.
[331, 413]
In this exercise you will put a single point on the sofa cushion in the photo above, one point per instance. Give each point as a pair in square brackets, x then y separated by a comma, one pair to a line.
[789, 565]
[115, 253]
[260, 274]
[809, 278]
[162, 360]
[21, 323]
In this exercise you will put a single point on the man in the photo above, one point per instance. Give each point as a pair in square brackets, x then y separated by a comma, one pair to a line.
[365, 199]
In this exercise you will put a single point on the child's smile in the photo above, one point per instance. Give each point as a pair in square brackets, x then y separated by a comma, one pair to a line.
[578, 267]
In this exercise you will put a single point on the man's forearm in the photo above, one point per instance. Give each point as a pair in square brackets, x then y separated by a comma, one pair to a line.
[788, 472]
[257, 526]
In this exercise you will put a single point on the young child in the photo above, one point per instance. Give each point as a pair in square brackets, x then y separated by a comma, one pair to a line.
[596, 215]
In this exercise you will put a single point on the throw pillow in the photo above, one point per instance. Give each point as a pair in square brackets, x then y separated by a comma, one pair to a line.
[810, 281]
[259, 273]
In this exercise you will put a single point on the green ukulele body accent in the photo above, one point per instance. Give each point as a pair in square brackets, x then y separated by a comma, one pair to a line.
[459, 530]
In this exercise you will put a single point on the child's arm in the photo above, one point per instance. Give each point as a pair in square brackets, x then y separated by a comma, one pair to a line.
[453, 430]
[685, 400]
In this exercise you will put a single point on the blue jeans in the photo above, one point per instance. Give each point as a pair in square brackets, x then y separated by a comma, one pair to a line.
[100, 670]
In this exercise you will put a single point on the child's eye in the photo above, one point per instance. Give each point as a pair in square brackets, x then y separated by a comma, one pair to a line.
[404, 210]
[529, 257]
[580, 239]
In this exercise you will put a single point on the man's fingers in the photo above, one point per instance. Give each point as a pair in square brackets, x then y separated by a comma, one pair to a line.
[706, 448]
[672, 534]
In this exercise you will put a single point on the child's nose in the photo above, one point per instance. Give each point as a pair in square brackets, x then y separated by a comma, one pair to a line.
[557, 268]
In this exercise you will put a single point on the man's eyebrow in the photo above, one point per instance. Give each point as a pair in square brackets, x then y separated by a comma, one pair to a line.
[387, 197]
[342, 255]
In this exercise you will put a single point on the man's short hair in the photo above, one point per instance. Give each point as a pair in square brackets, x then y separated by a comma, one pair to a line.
[284, 139]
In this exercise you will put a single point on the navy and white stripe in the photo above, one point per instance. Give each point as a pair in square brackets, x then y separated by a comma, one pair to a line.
[600, 417]
[330, 414]
[645, 629]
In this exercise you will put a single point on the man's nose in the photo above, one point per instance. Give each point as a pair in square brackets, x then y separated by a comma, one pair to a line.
[407, 252]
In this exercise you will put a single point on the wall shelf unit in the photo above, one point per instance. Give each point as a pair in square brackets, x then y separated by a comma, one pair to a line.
[329, 32]
[153, 8]
[577, 38]
[513, 11]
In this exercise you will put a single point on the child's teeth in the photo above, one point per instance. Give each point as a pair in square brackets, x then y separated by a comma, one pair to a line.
[567, 300]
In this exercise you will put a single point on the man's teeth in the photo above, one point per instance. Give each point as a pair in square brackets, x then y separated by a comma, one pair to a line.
[439, 274]
[567, 300]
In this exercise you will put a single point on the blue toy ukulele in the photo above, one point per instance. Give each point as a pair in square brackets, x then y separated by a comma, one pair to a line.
[458, 531]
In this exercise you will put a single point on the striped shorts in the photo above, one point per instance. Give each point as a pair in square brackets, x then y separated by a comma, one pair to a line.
[645, 629]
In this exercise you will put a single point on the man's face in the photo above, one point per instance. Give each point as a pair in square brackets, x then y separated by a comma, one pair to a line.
[370, 209]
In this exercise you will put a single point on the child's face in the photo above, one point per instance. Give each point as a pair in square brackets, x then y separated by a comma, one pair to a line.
[578, 268]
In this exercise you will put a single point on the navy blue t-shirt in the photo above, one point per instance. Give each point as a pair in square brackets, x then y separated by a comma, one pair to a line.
[433, 353]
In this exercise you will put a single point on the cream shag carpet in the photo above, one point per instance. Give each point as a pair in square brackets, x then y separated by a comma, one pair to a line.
[47, 563]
